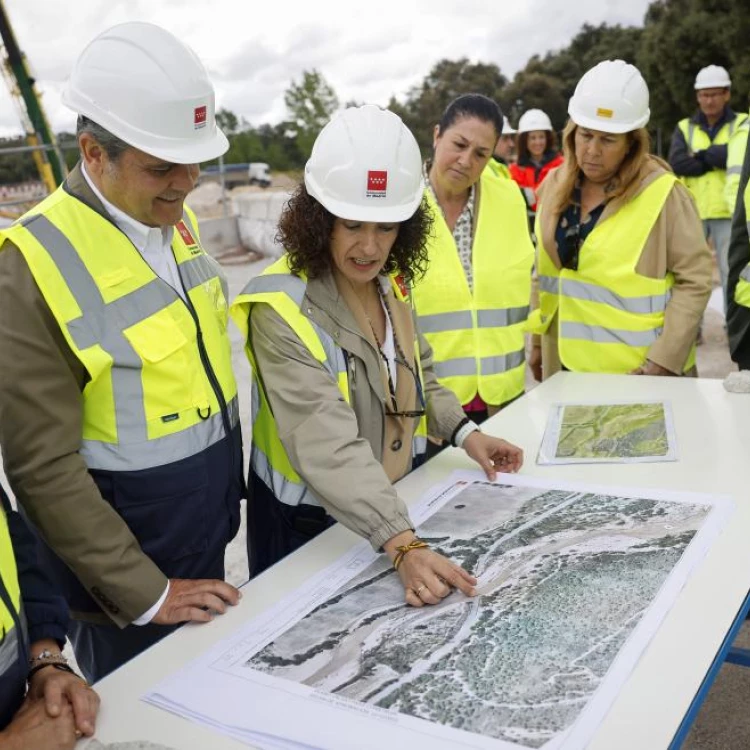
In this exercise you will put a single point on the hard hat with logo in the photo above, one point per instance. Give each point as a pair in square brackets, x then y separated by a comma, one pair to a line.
[534, 119]
[712, 77]
[144, 85]
[507, 129]
[366, 166]
[612, 97]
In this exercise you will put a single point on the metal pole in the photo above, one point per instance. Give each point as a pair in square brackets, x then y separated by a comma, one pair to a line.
[223, 187]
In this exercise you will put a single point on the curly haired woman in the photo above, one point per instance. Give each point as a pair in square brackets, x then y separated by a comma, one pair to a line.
[344, 383]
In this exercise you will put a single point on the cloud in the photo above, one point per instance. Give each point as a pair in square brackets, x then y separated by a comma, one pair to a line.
[254, 50]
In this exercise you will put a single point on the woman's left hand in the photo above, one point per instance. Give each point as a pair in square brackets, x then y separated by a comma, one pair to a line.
[493, 454]
[651, 368]
[56, 687]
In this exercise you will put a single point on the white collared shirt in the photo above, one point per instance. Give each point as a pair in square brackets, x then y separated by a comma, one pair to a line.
[153, 243]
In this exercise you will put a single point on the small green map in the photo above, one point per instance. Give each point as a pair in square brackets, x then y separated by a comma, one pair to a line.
[613, 431]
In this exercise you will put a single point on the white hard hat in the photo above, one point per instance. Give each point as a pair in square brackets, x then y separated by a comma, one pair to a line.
[507, 129]
[534, 119]
[712, 77]
[144, 85]
[366, 166]
[612, 97]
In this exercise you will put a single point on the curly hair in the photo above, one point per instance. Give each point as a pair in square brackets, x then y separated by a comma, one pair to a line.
[305, 228]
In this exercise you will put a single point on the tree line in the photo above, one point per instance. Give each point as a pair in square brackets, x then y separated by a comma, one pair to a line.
[678, 37]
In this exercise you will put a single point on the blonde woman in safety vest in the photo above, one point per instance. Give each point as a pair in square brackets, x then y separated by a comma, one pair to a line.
[344, 387]
[624, 270]
[473, 301]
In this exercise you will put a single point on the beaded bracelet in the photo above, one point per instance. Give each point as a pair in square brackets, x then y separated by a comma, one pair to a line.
[404, 548]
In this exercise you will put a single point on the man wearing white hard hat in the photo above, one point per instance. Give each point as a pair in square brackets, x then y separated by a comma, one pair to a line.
[345, 385]
[118, 405]
[624, 270]
[501, 157]
[698, 154]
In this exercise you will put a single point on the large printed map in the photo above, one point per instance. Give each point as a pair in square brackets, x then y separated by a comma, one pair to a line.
[565, 577]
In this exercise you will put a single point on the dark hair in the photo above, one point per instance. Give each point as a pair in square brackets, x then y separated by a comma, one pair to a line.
[472, 105]
[523, 144]
[305, 229]
[112, 145]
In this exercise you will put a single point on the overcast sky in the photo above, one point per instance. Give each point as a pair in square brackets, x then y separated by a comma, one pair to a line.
[254, 48]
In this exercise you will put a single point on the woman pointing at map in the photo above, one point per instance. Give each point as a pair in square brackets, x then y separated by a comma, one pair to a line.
[344, 387]
[624, 270]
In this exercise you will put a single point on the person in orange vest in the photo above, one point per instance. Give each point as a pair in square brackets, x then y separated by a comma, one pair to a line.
[538, 155]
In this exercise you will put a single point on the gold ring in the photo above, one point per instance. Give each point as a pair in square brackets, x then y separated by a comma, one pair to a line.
[419, 590]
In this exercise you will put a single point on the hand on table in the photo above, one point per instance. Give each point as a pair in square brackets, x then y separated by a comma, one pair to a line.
[426, 575]
[651, 368]
[493, 454]
[195, 601]
[56, 689]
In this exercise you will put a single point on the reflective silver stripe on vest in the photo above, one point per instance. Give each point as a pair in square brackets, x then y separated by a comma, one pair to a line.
[467, 366]
[162, 450]
[418, 445]
[656, 303]
[502, 318]
[103, 324]
[745, 275]
[8, 650]
[294, 287]
[734, 170]
[290, 493]
[462, 321]
[602, 335]
[549, 284]
[691, 130]
[445, 321]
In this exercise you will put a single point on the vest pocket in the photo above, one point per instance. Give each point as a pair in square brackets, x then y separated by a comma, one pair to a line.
[157, 337]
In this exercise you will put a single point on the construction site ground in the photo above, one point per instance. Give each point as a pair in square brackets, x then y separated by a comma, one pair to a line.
[724, 722]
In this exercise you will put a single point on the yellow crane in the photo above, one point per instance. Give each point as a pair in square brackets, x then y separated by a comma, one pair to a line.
[49, 162]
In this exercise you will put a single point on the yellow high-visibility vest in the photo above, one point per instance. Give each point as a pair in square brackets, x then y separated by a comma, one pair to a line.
[500, 169]
[160, 371]
[477, 336]
[278, 287]
[608, 316]
[10, 613]
[709, 189]
[742, 290]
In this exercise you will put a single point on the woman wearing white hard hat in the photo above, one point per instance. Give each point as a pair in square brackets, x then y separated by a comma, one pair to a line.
[343, 382]
[538, 154]
[624, 271]
[473, 301]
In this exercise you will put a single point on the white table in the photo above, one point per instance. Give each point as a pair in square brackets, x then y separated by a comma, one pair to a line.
[713, 432]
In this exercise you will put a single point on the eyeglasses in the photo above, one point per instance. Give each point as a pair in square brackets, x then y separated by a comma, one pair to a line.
[414, 413]
[572, 246]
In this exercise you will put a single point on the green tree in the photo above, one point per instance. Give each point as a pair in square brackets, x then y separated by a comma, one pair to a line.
[311, 102]
[448, 79]
[682, 36]
[227, 121]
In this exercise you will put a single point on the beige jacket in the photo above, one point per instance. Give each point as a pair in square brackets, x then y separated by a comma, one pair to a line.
[348, 455]
[676, 244]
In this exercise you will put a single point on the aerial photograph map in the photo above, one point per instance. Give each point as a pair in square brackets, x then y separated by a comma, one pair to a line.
[609, 432]
[564, 578]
